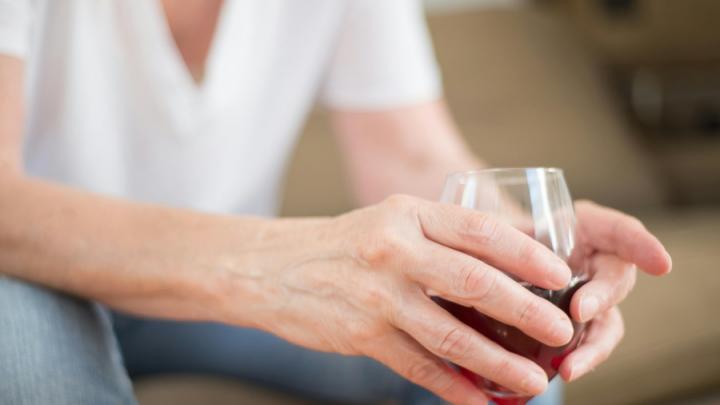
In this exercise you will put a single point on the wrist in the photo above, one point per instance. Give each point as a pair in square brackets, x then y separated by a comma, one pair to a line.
[247, 282]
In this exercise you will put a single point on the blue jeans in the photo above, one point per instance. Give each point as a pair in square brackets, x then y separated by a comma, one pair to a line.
[63, 350]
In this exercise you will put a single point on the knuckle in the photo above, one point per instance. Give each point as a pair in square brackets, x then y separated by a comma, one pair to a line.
[423, 371]
[472, 280]
[500, 369]
[362, 330]
[393, 241]
[400, 201]
[373, 252]
[529, 312]
[480, 227]
[375, 294]
[454, 344]
[383, 245]
[528, 253]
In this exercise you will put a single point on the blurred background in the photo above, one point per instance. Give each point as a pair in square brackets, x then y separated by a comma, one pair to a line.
[624, 95]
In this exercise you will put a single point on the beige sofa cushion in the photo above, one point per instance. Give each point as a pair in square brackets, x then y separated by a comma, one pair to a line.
[524, 93]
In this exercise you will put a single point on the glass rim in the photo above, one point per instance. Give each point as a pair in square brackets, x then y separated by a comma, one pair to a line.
[503, 170]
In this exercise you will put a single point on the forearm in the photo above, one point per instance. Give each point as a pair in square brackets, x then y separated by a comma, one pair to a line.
[141, 258]
[419, 178]
[407, 150]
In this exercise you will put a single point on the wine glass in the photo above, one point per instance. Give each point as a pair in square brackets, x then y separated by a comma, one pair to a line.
[537, 202]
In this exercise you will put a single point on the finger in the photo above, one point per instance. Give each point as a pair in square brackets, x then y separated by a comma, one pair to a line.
[468, 281]
[450, 339]
[612, 231]
[481, 235]
[601, 338]
[614, 278]
[407, 358]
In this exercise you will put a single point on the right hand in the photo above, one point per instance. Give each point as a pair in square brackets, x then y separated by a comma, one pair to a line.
[359, 284]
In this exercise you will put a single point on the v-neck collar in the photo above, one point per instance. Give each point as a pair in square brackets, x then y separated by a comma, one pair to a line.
[171, 53]
[187, 104]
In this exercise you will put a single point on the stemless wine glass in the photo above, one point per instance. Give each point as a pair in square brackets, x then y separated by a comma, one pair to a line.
[537, 202]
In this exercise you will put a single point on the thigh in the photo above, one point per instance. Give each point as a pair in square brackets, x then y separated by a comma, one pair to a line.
[552, 396]
[57, 349]
[156, 347]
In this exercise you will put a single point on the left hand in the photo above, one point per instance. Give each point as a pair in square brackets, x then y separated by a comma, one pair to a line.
[611, 244]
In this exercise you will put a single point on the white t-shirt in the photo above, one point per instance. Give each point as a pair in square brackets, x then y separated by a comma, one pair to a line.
[112, 108]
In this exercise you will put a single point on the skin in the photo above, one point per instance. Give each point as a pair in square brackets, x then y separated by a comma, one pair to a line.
[192, 25]
[354, 284]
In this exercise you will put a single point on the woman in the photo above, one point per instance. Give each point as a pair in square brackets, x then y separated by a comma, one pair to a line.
[142, 146]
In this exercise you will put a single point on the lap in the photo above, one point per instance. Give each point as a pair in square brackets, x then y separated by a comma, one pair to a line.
[157, 347]
[57, 349]
[160, 347]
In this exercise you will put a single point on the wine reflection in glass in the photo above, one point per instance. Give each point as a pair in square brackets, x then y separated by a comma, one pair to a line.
[536, 201]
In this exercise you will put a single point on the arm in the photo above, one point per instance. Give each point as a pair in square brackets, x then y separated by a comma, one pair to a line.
[145, 259]
[354, 284]
[405, 150]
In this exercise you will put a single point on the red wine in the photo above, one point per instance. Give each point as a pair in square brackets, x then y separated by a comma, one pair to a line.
[514, 340]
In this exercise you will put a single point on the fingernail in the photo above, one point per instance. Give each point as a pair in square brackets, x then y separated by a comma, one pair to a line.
[562, 330]
[669, 261]
[588, 307]
[534, 382]
[577, 370]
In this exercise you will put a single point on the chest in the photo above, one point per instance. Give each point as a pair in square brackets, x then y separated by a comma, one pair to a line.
[262, 64]
[192, 25]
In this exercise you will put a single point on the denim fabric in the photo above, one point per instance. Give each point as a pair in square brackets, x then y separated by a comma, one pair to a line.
[58, 350]
[62, 350]
[156, 347]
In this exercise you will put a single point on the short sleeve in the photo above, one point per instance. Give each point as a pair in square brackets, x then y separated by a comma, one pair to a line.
[15, 16]
[383, 58]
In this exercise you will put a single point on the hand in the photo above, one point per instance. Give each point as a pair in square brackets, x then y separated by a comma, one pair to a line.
[610, 244]
[358, 285]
